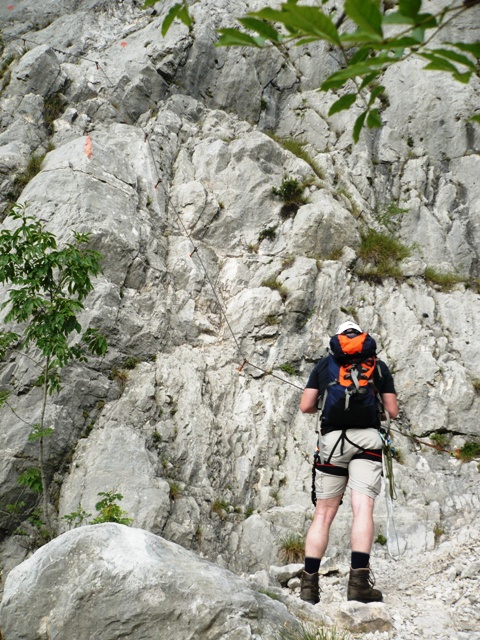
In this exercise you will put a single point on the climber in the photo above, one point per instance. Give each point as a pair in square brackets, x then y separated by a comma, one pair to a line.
[350, 451]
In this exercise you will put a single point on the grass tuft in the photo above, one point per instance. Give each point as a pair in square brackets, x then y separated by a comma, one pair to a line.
[469, 451]
[273, 283]
[292, 548]
[381, 252]
[444, 281]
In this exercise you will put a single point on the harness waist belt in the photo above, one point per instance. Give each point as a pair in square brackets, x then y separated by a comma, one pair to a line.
[331, 469]
[373, 454]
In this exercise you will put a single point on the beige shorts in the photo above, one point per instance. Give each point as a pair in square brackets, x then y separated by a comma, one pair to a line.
[362, 474]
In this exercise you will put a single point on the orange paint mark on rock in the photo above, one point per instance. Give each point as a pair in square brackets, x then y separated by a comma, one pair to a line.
[10, 7]
[123, 43]
[88, 147]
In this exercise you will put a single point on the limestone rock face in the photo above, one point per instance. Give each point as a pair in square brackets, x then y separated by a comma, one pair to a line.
[105, 581]
[215, 301]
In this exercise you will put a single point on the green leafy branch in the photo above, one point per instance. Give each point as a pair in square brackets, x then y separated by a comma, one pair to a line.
[378, 41]
[179, 10]
[107, 511]
[48, 286]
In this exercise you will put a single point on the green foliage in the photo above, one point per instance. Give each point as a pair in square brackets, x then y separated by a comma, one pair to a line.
[77, 518]
[40, 525]
[174, 491]
[440, 439]
[381, 539]
[476, 385]
[267, 234]
[47, 288]
[349, 311]
[469, 451]
[438, 531]
[334, 254]
[291, 192]
[382, 253]
[271, 320]
[444, 281]
[15, 509]
[272, 283]
[219, 507]
[390, 217]
[367, 49]
[292, 548]
[21, 180]
[178, 10]
[290, 369]
[120, 375]
[38, 432]
[108, 509]
[34, 166]
[32, 479]
[130, 363]
[53, 106]
[298, 149]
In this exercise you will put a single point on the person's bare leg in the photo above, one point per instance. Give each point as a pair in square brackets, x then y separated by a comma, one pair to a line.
[315, 544]
[317, 537]
[361, 537]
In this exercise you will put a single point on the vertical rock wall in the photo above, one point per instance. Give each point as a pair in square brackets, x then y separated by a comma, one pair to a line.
[159, 147]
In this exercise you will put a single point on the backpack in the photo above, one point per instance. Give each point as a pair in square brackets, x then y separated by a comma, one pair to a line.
[351, 399]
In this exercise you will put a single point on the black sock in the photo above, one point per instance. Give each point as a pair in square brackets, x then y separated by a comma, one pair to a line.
[312, 565]
[360, 560]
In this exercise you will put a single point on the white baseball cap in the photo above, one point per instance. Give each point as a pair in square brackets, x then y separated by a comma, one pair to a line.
[345, 326]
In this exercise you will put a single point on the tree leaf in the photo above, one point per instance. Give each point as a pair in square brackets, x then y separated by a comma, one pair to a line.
[366, 14]
[397, 18]
[185, 16]
[236, 38]
[149, 3]
[464, 78]
[338, 79]
[368, 78]
[358, 126]
[473, 47]
[171, 15]
[345, 102]
[418, 34]
[302, 21]
[426, 21]
[438, 64]
[456, 57]
[360, 55]
[264, 29]
[409, 7]
[365, 38]
[476, 118]
[373, 119]
[376, 91]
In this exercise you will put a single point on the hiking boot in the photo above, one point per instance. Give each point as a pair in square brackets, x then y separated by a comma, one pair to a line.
[309, 590]
[360, 586]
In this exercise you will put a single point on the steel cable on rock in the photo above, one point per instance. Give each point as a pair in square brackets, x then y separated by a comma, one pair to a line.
[169, 201]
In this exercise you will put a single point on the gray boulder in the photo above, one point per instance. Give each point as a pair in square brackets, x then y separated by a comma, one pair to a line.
[109, 581]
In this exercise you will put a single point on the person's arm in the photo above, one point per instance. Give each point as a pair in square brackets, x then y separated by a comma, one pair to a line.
[308, 402]
[390, 404]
